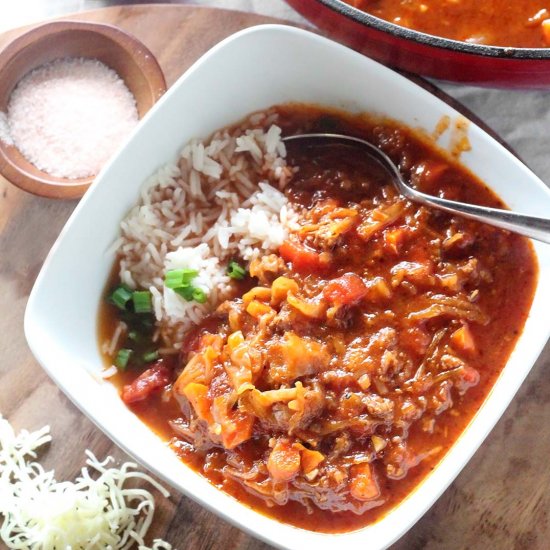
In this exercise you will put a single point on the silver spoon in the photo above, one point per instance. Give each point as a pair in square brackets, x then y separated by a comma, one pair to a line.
[528, 226]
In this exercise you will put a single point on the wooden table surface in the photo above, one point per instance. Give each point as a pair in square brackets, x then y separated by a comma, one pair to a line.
[501, 499]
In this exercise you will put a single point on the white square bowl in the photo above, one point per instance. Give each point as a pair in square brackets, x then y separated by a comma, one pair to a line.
[253, 70]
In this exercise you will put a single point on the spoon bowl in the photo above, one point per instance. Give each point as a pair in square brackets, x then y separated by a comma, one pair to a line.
[528, 226]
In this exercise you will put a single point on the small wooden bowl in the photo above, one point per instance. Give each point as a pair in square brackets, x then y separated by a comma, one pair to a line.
[120, 51]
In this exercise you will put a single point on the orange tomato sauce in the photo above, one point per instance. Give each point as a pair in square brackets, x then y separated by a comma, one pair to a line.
[524, 24]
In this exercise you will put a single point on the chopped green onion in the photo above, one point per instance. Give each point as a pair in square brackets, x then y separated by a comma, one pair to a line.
[174, 278]
[151, 356]
[177, 278]
[122, 358]
[190, 293]
[189, 275]
[134, 336]
[235, 271]
[185, 292]
[120, 297]
[199, 295]
[142, 301]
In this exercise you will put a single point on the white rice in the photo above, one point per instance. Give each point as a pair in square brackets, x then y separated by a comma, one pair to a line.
[222, 200]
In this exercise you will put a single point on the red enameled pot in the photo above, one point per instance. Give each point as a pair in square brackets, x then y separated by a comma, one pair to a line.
[428, 55]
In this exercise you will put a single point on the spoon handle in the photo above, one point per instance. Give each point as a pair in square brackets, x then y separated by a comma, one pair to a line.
[528, 226]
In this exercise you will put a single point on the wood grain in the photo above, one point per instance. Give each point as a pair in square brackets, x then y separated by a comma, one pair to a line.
[500, 501]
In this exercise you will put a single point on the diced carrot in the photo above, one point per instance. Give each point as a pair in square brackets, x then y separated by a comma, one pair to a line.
[235, 339]
[284, 461]
[463, 340]
[363, 485]
[303, 258]
[234, 426]
[349, 289]
[257, 309]
[147, 383]
[364, 382]
[197, 394]
[394, 238]
[261, 293]
[280, 289]
[311, 459]
[378, 290]
[237, 429]
[450, 281]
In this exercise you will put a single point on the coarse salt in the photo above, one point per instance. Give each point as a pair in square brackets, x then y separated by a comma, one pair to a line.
[68, 117]
[5, 129]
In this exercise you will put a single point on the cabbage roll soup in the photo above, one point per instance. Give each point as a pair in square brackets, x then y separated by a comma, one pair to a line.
[519, 23]
[299, 333]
